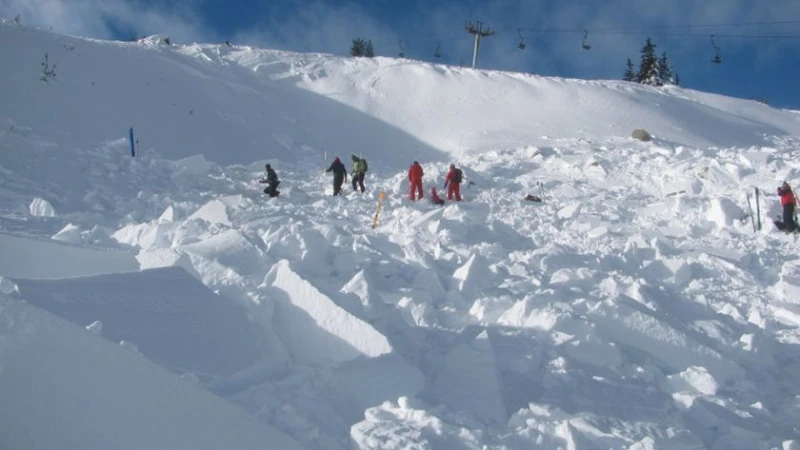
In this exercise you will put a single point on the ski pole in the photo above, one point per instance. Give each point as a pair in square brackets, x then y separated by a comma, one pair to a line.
[758, 209]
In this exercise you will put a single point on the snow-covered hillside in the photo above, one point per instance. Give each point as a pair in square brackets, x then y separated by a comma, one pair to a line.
[162, 301]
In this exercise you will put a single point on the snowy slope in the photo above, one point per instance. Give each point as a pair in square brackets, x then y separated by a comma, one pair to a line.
[65, 388]
[635, 307]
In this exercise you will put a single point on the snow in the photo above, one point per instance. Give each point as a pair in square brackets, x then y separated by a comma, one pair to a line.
[42, 208]
[169, 304]
[63, 387]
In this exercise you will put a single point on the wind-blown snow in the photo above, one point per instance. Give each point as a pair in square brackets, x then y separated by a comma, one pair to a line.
[634, 307]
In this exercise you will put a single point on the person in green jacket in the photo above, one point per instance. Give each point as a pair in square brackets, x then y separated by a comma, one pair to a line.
[357, 173]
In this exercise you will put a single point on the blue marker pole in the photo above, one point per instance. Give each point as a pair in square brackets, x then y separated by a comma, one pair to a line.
[133, 143]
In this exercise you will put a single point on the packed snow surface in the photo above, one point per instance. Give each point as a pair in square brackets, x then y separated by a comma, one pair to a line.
[163, 301]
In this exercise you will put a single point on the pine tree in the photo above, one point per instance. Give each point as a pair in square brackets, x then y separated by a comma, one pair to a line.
[677, 79]
[648, 68]
[629, 75]
[357, 49]
[368, 51]
[664, 70]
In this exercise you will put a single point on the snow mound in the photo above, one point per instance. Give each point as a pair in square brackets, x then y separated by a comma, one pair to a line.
[214, 212]
[301, 308]
[30, 258]
[41, 208]
[66, 387]
[168, 315]
[724, 212]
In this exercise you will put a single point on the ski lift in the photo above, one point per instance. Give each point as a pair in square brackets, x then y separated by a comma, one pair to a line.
[583, 43]
[521, 45]
[717, 57]
[402, 53]
[438, 52]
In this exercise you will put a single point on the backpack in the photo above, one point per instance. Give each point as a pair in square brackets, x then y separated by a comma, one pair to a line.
[364, 164]
[457, 176]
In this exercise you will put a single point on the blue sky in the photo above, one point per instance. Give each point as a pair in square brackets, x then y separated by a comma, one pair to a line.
[753, 67]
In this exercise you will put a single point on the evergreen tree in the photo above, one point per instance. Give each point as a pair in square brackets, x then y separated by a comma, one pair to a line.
[368, 51]
[677, 79]
[664, 70]
[358, 47]
[629, 75]
[648, 68]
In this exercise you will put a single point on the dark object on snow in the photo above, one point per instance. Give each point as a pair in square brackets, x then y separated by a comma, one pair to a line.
[782, 227]
[435, 197]
[532, 198]
[272, 182]
[788, 202]
[641, 134]
[339, 175]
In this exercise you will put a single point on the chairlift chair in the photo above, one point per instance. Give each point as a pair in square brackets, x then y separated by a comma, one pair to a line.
[583, 43]
[521, 44]
[717, 56]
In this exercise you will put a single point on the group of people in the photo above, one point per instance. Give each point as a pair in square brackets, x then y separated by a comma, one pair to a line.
[357, 173]
[452, 181]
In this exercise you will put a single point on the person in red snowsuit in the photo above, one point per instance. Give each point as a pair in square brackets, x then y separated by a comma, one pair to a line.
[453, 183]
[415, 178]
[788, 201]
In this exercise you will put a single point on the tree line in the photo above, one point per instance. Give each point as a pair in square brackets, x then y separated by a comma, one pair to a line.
[653, 70]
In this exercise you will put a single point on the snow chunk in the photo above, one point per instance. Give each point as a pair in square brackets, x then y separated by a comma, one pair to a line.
[53, 369]
[172, 318]
[360, 287]
[470, 278]
[168, 215]
[41, 208]
[352, 336]
[231, 249]
[215, 212]
[724, 212]
[31, 258]
[70, 233]
[789, 283]
[7, 286]
[694, 378]
[194, 165]
[145, 235]
[469, 381]
[154, 258]
[629, 323]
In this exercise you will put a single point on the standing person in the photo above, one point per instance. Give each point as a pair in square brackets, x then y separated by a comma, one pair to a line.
[339, 175]
[358, 171]
[415, 173]
[788, 201]
[453, 182]
[272, 182]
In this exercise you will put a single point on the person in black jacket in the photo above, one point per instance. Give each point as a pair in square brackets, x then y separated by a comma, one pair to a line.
[339, 175]
[272, 182]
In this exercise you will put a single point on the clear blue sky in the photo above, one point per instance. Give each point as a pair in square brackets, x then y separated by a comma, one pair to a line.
[756, 64]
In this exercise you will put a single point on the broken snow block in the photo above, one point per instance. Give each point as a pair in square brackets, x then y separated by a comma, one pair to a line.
[641, 134]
